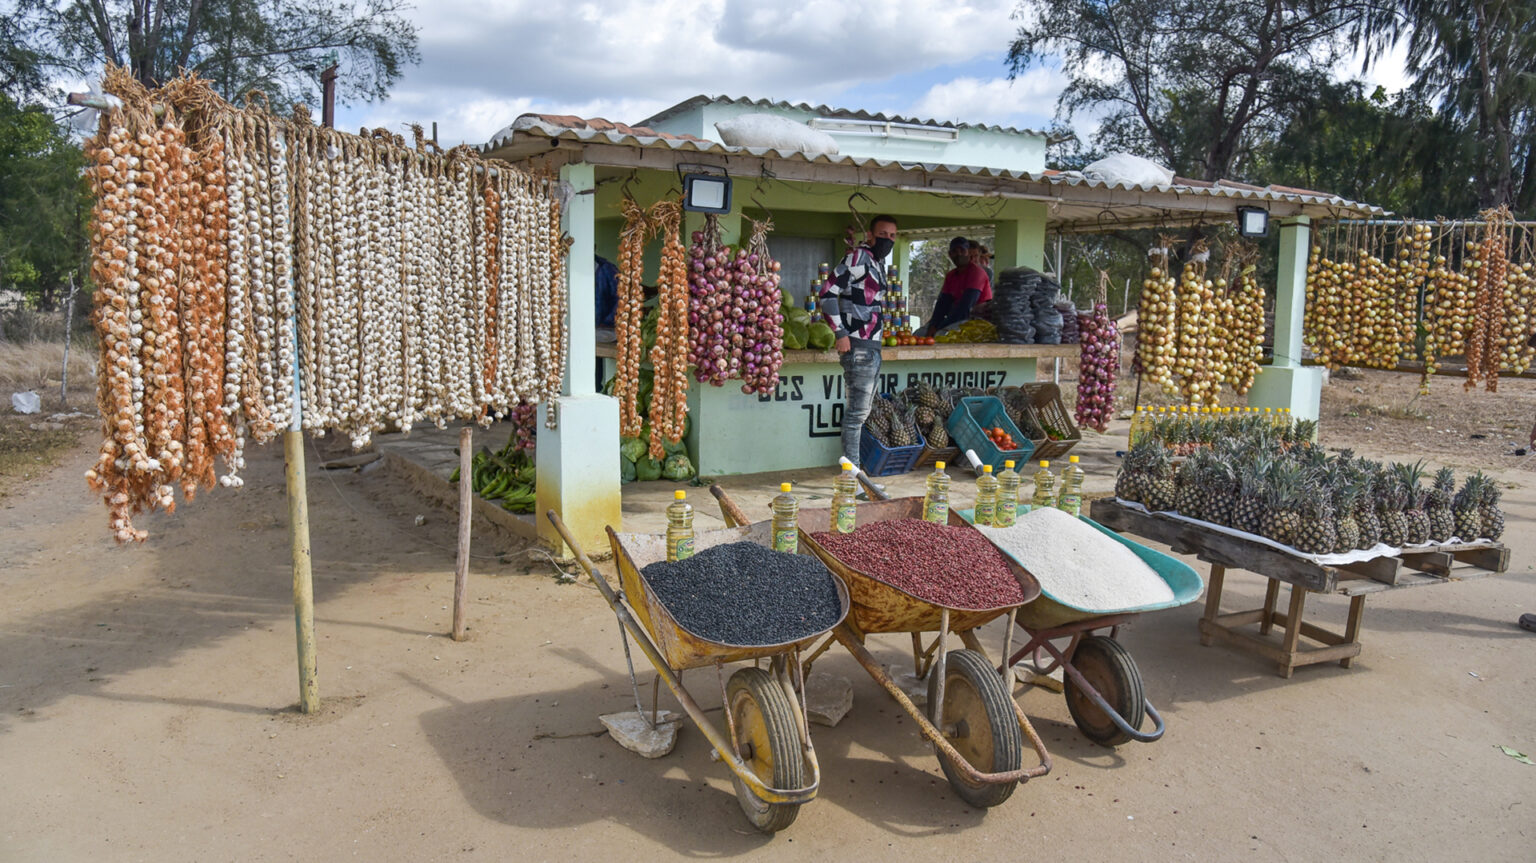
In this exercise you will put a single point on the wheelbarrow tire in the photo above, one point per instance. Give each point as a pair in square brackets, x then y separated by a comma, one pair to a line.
[770, 737]
[989, 739]
[1109, 668]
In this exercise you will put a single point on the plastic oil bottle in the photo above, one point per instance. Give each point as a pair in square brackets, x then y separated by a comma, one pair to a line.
[1045, 487]
[1007, 496]
[1070, 500]
[786, 521]
[986, 497]
[679, 527]
[936, 499]
[844, 489]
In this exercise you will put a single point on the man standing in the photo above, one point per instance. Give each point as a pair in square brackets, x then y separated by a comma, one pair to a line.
[851, 303]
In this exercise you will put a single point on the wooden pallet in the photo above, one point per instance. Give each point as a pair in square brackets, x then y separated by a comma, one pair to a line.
[1223, 551]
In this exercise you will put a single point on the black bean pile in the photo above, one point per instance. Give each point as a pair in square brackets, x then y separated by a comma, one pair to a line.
[954, 567]
[746, 594]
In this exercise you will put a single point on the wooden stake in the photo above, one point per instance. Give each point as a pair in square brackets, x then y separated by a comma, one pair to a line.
[303, 583]
[466, 514]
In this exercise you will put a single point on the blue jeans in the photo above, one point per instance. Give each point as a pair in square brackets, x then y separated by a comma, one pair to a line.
[861, 378]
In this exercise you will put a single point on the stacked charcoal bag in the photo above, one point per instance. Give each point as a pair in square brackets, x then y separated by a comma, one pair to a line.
[1070, 335]
[1012, 309]
[1048, 321]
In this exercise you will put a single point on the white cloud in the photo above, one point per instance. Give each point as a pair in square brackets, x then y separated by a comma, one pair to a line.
[1388, 71]
[1029, 100]
[628, 60]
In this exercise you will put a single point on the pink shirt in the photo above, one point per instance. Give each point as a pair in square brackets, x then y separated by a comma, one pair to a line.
[967, 278]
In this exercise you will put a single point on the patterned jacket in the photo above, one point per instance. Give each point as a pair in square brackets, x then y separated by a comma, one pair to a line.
[850, 300]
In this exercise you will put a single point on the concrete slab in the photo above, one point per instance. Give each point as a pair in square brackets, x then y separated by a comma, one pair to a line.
[634, 732]
[828, 698]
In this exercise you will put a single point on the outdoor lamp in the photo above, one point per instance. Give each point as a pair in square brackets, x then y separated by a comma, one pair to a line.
[1252, 221]
[706, 193]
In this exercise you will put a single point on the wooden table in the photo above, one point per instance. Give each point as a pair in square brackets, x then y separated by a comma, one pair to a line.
[1223, 551]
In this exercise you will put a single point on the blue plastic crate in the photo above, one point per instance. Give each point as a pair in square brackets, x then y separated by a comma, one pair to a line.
[882, 460]
[966, 424]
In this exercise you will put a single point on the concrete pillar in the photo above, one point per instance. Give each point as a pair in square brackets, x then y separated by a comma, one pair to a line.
[578, 461]
[1286, 383]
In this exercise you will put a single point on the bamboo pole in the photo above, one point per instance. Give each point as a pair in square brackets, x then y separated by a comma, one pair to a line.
[466, 515]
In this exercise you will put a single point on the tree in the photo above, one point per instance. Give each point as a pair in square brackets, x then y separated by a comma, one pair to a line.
[1477, 59]
[44, 202]
[276, 46]
[1189, 84]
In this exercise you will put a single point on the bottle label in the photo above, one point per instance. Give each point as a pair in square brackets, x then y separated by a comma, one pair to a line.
[936, 511]
[786, 540]
[1006, 514]
[986, 513]
[680, 548]
[1072, 504]
[842, 518]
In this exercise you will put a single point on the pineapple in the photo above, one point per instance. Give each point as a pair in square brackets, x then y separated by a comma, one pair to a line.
[1129, 482]
[1189, 497]
[1221, 485]
[1466, 508]
[1416, 530]
[1389, 510]
[1248, 508]
[1318, 533]
[1346, 496]
[1365, 508]
[1158, 489]
[1442, 522]
[1282, 521]
[1492, 516]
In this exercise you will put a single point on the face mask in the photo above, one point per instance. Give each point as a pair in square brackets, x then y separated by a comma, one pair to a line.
[882, 247]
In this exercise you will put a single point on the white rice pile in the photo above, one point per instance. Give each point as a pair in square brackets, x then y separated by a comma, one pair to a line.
[1078, 565]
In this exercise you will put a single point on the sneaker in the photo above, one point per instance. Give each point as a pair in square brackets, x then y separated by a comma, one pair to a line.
[1528, 622]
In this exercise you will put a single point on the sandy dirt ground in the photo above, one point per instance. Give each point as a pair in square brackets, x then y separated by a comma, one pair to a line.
[147, 710]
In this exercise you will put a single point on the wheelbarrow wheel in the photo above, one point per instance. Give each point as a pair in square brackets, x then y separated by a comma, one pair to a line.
[770, 745]
[979, 722]
[1109, 668]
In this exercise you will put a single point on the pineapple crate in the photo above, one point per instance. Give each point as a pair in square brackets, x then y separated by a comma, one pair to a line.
[932, 455]
[975, 413]
[1411, 567]
[1050, 414]
[882, 460]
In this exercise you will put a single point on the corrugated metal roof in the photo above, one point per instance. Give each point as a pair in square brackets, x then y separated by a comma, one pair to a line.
[825, 111]
[534, 134]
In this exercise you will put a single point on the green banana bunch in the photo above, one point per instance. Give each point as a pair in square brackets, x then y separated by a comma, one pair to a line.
[508, 476]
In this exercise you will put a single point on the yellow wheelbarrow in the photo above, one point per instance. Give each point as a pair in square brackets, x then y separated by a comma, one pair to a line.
[973, 722]
[766, 742]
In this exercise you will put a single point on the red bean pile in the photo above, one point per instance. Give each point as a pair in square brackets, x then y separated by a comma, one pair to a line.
[954, 567]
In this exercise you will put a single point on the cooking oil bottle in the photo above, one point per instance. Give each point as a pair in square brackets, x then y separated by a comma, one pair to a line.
[1070, 500]
[986, 497]
[844, 490]
[786, 521]
[1045, 486]
[936, 500]
[1007, 496]
[679, 527]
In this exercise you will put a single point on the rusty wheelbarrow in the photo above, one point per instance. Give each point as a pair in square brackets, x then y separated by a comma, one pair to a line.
[974, 724]
[766, 742]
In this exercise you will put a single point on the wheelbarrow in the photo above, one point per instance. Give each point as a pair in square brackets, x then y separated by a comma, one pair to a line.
[973, 722]
[1103, 686]
[766, 743]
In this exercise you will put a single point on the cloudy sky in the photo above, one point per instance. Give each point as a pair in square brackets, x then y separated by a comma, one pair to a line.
[483, 64]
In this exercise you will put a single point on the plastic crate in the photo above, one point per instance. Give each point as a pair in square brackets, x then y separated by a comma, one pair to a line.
[975, 413]
[933, 454]
[882, 460]
[1049, 410]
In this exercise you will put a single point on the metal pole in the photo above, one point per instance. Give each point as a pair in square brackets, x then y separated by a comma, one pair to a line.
[69, 327]
[466, 516]
[328, 101]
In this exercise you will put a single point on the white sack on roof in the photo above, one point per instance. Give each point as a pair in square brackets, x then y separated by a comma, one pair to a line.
[1130, 170]
[775, 133]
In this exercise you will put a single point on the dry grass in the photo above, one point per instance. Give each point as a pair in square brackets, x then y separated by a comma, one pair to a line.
[38, 366]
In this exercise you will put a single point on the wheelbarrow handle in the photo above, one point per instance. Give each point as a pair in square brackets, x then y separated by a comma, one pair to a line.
[872, 489]
[732, 513]
[582, 559]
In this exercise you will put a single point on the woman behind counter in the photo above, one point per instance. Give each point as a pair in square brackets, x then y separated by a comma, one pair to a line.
[965, 287]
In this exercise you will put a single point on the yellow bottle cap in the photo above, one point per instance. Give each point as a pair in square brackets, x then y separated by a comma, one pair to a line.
[1072, 459]
[679, 494]
[845, 464]
[1044, 463]
[986, 468]
[1008, 464]
[784, 487]
[938, 465]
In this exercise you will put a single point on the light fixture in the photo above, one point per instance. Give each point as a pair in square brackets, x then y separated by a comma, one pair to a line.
[1252, 221]
[706, 193]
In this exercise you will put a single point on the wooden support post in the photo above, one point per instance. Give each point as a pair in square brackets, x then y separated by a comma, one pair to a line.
[1352, 625]
[1271, 596]
[466, 516]
[303, 581]
[1212, 601]
[1292, 630]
